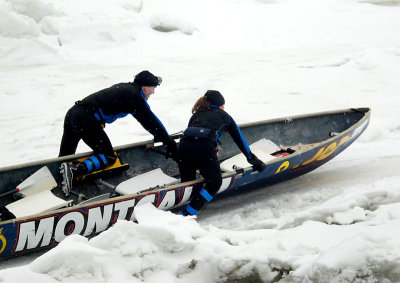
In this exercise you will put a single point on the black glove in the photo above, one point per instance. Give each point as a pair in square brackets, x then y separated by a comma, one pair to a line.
[172, 151]
[258, 165]
[5, 214]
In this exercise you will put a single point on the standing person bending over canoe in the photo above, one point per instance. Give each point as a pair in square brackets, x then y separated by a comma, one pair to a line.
[198, 147]
[87, 118]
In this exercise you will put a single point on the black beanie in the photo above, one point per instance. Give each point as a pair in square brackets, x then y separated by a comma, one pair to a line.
[215, 98]
[145, 78]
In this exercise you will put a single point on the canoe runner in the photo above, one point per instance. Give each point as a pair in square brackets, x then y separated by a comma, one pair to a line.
[87, 118]
[198, 148]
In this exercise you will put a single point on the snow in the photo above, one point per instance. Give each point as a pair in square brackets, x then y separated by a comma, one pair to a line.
[270, 59]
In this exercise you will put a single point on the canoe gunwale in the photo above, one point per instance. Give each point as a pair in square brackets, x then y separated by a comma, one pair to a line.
[365, 110]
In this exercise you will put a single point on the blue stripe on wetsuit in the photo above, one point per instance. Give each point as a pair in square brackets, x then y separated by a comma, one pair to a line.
[206, 195]
[145, 100]
[110, 118]
[88, 165]
[219, 131]
[246, 146]
[191, 210]
[104, 159]
[96, 162]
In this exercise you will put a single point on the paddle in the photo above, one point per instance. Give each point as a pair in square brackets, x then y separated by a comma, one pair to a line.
[177, 135]
[39, 181]
[174, 136]
[157, 151]
[164, 153]
[9, 193]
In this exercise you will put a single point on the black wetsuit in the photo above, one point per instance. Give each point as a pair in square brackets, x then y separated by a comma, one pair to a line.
[87, 118]
[200, 153]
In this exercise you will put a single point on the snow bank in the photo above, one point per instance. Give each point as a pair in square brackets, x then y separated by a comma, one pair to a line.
[178, 249]
[24, 28]
[168, 23]
[22, 18]
[161, 245]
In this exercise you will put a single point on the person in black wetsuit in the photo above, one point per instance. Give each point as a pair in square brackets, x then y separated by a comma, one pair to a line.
[87, 118]
[198, 148]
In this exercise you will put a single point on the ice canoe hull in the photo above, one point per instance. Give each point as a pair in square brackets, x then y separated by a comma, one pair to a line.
[318, 137]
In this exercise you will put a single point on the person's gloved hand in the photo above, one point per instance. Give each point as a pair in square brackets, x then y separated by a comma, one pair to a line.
[258, 165]
[172, 151]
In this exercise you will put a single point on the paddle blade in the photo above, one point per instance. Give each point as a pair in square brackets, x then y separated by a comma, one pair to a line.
[39, 181]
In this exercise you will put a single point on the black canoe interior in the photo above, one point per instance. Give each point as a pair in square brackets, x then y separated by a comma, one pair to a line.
[305, 129]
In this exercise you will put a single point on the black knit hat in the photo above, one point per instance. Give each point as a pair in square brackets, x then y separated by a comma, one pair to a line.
[215, 98]
[145, 78]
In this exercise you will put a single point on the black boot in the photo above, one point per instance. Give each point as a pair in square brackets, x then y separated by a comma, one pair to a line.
[69, 172]
[198, 202]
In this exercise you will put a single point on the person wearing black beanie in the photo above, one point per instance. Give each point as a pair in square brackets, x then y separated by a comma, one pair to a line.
[198, 148]
[87, 118]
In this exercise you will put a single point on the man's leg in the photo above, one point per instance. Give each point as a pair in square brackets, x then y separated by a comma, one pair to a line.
[69, 141]
[104, 156]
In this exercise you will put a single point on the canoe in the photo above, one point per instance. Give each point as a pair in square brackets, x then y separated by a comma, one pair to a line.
[290, 147]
